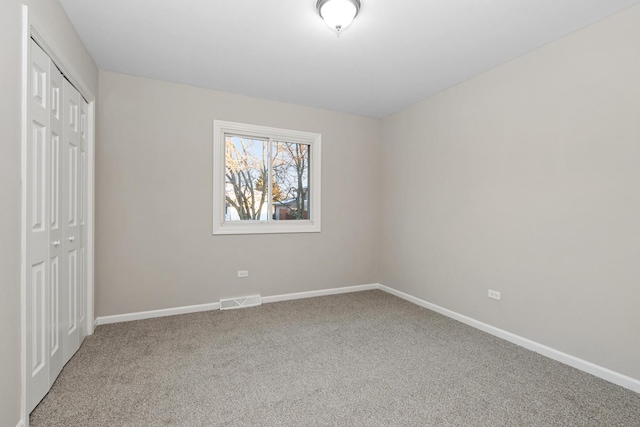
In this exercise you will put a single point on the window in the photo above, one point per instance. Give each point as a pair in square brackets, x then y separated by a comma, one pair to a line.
[266, 180]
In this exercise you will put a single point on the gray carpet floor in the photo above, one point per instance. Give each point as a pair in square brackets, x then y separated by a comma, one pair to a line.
[360, 359]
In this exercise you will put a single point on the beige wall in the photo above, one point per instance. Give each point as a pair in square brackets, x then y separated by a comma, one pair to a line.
[155, 247]
[56, 25]
[526, 180]
[10, 116]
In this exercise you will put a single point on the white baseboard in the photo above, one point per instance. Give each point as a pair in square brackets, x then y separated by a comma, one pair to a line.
[117, 318]
[323, 292]
[583, 365]
[20, 423]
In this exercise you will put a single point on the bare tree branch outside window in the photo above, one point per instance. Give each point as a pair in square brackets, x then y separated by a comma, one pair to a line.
[249, 162]
[247, 170]
[291, 174]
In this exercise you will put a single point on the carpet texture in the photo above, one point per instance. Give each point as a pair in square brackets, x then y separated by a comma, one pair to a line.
[361, 359]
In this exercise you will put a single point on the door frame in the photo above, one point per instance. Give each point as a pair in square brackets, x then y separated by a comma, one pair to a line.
[31, 28]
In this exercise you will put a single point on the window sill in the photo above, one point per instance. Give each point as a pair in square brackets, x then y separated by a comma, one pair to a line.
[261, 227]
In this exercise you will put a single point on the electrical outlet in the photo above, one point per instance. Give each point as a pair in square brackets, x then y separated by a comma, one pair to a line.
[243, 273]
[494, 294]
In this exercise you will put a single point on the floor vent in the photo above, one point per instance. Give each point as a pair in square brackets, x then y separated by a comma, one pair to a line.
[250, 301]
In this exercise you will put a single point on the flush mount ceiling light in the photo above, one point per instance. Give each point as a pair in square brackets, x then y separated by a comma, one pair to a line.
[338, 14]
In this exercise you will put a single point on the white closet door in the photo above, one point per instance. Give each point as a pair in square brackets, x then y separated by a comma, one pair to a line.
[70, 184]
[38, 227]
[56, 223]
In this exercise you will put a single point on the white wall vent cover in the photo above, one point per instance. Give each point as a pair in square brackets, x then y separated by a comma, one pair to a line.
[250, 301]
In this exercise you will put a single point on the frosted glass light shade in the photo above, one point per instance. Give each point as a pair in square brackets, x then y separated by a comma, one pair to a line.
[338, 14]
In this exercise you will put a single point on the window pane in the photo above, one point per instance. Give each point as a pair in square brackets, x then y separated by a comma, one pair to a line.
[246, 172]
[290, 181]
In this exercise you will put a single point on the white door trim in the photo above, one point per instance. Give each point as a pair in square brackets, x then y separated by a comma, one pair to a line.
[26, 36]
[31, 28]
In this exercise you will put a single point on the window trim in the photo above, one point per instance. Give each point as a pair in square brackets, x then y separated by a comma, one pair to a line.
[222, 227]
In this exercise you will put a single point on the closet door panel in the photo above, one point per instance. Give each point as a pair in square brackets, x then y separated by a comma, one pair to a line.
[57, 227]
[82, 219]
[38, 227]
[70, 216]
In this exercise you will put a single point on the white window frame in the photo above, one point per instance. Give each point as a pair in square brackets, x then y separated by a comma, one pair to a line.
[220, 225]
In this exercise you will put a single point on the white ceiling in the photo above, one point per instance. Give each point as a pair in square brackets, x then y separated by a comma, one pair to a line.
[395, 53]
